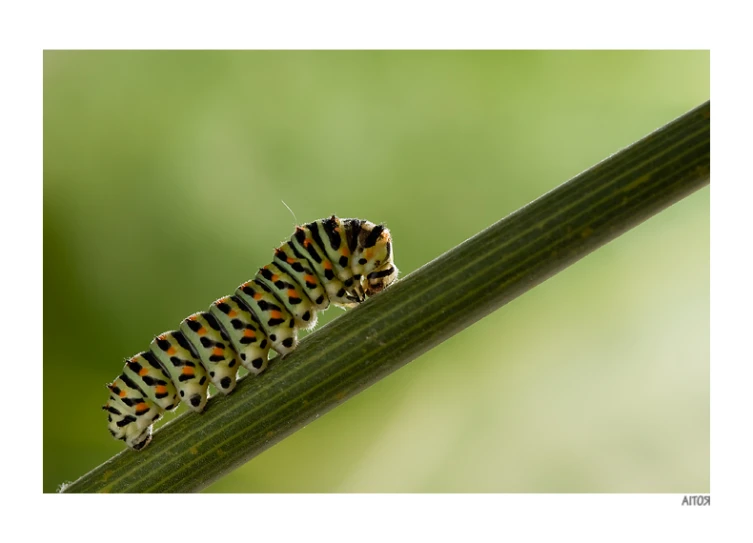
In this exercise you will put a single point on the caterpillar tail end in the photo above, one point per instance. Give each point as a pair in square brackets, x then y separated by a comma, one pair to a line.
[134, 437]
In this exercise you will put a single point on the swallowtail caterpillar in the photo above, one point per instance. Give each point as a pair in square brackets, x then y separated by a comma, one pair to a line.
[329, 261]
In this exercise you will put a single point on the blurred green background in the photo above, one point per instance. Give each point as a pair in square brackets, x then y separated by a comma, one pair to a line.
[164, 175]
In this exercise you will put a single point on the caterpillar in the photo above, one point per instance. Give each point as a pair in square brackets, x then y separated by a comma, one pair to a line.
[328, 261]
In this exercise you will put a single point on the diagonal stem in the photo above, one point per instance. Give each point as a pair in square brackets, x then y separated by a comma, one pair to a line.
[419, 312]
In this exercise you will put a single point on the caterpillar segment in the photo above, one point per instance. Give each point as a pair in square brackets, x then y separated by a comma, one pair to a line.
[246, 335]
[215, 351]
[151, 378]
[305, 242]
[290, 293]
[276, 321]
[295, 264]
[329, 261]
[334, 233]
[183, 365]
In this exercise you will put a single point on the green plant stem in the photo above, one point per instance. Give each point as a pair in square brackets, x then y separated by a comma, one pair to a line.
[419, 312]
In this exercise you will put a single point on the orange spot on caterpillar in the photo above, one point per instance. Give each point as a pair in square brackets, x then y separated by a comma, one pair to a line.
[172, 350]
[292, 293]
[202, 331]
[141, 408]
[249, 333]
[232, 313]
[122, 394]
[143, 371]
[257, 295]
[275, 314]
[309, 278]
[187, 370]
[290, 260]
[217, 351]
[160, 389]
[327, 265]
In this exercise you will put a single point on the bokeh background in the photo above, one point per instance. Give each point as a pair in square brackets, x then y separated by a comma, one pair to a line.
[164, 176]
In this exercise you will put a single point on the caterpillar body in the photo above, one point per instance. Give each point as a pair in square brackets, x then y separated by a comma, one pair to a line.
[328, 261]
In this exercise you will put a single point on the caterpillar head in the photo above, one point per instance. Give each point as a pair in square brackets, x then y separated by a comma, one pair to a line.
[373, 259]
[379, 279]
